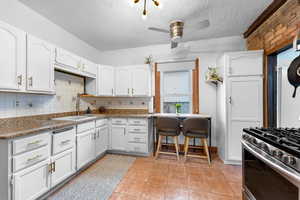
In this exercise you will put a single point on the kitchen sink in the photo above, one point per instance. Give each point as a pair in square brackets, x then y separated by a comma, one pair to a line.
[76, 118]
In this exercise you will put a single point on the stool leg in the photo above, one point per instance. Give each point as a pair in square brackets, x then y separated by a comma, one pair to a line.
[206, 150]
[158, 146]
[186, 147]
[176, 146]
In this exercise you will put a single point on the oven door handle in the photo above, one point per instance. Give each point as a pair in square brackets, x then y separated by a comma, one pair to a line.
[290, 173]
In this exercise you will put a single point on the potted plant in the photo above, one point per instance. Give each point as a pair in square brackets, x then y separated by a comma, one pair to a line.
[178, 108]
[213, 75]
[149, 59]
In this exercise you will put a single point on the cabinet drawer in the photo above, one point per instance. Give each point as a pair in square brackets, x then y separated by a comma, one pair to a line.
[27, 159]
[137, 138]
[30, 143]
[85, 126]
[137, 147]
[63, 141]
[137, 129]
[101, 122]
[137, 121]
[119, 121]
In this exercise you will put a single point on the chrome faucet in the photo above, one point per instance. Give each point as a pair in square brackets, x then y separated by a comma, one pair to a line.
[78, 104]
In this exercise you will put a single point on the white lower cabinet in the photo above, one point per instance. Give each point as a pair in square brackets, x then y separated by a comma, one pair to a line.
[118, 138]
[101, 142]
[85, 148]
[130, 135]
[63, 166]
[32, 182]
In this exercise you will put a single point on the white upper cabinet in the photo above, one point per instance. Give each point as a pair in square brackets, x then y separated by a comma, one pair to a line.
[132, 81]
[89, 68]
[140, 79]
[40, 66]
[12, 58]
[106, 81]
[245, 63]
[123, 81]
[67, 61]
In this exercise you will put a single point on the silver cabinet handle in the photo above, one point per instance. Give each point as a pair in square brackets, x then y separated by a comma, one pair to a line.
[128, 91]
[30, 79]
[33, 158]
[65, 142]
[112, 91]
[20, 80]
[230, 100]
[132, 91]
[34, 143]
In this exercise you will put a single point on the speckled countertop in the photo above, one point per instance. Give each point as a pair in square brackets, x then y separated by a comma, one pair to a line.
[15, 128]
[11, 129]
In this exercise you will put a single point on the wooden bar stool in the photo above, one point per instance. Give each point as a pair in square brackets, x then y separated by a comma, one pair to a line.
[166, 126]
[196, 128]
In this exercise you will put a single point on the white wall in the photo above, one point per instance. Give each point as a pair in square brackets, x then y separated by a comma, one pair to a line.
[17, 14]
[207, 50]
[288, 107]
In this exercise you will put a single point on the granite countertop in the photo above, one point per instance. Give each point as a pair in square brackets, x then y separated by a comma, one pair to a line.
[122, 115]
[12, 129]
[15, 128]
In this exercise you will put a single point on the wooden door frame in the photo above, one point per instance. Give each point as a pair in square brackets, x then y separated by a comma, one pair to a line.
[195, 88]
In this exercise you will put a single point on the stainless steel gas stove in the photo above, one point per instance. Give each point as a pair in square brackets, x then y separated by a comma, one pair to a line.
[271, 163]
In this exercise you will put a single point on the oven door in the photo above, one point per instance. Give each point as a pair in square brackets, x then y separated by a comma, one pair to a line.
[265, 178]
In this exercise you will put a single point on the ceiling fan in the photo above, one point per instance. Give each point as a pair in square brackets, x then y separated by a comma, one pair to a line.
[176, 30]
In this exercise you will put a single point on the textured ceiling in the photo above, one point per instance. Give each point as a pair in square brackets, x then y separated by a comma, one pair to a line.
[116, 24]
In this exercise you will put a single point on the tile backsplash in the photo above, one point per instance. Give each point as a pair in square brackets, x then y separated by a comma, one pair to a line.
[67, 88]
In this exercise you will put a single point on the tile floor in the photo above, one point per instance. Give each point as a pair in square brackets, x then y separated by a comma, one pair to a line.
[169, 179]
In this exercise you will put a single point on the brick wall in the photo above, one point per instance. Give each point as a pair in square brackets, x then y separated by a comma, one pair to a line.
[279, 30]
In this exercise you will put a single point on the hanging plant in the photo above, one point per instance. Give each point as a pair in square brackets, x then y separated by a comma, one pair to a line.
[213, 75]
[149, 59]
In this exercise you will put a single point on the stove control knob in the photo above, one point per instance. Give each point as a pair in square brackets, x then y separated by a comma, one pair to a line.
[265, 147]
[246, 137]
[254, 141]
[278, 154]
[290, 160]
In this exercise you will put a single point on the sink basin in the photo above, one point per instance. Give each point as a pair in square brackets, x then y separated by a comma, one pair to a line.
[75, 118]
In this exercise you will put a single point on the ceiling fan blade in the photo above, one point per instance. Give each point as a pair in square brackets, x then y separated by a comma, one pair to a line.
[158, 29]
[173, 44]
[198, 25]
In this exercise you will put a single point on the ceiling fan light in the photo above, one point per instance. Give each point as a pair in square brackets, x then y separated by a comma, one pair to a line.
[136, 1]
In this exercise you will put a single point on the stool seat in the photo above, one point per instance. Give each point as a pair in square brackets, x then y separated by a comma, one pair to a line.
[196, 133]
[168, 132]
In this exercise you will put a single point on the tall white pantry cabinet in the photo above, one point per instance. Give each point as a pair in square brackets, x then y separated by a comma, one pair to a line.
[239, 101]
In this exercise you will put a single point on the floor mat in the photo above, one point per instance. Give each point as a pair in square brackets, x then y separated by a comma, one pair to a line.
[97, 182]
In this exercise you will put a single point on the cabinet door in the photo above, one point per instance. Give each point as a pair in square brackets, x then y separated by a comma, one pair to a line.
[123, 81]
[32, 182]
[105, 136]
[67, 60]
[89, 68]
[118, 138]
[245, 63]
[85, 148]
[12, 58]
[140, 81]
[101, 141]
[245, 110]
[106, 79]
[40, 65]
[64, 166]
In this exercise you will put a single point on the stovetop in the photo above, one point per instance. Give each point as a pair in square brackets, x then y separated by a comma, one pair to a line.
[286, 139]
